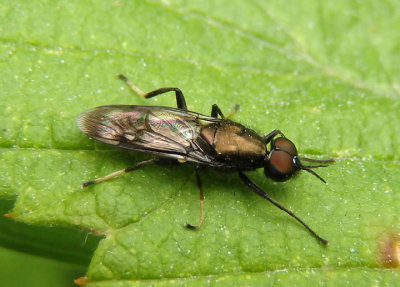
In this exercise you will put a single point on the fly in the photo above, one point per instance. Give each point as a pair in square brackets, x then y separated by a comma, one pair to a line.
[178, 135]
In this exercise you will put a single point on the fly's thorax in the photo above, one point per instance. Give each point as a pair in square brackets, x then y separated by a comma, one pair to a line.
[235, 143]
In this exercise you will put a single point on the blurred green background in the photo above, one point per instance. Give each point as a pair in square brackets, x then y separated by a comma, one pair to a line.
[21, 269]
[32, 265]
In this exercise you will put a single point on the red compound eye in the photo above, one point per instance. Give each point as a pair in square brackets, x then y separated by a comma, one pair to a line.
[285, 145]
[281, 163]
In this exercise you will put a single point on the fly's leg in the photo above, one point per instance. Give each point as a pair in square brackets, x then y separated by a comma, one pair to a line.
[131, 85]
[116, 173]
[180, 99]
[234, 111]
[216, 111]
[199, 184]
[271, 135]
[261, 193]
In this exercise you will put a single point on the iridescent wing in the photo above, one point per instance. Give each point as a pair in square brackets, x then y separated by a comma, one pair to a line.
[164, 131]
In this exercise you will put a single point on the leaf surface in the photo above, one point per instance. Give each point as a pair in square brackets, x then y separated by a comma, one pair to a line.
[325, 73]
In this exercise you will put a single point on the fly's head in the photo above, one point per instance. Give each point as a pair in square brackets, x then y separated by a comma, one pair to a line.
[282, 161]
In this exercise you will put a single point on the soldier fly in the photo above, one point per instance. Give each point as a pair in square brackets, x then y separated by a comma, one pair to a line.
[177, 135]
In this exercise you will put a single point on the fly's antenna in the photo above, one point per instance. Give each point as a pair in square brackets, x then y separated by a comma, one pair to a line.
[331, 160]
[307, 168]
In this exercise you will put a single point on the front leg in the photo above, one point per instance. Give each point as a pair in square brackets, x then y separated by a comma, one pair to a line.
[264, 195]
[271, 135]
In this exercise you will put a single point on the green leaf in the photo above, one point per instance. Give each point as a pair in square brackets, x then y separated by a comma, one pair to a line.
[325, 73]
